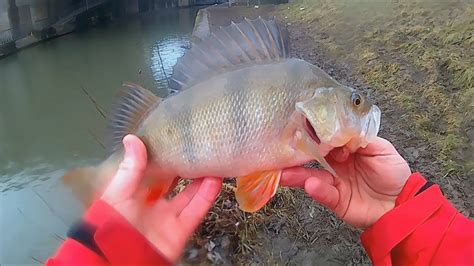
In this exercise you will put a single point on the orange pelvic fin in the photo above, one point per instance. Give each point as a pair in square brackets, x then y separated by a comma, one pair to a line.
[160, 188]
[255, 190]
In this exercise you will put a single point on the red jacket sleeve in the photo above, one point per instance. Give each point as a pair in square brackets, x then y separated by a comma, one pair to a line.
[422, 229]
[119, 242]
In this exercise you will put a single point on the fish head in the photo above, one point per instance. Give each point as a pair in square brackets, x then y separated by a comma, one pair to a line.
[340, 116]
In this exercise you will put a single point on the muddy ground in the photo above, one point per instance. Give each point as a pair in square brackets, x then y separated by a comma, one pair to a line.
[415, 61]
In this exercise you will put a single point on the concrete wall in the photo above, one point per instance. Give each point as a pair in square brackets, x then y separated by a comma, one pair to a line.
[39, 14]
[131, 7]
[25, 17]
[4, 23]
[33, 14]
[183, 3]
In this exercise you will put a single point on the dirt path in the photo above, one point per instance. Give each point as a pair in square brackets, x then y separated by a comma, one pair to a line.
[424, 98]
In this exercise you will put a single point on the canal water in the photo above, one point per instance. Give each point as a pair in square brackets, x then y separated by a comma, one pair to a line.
[49, 125]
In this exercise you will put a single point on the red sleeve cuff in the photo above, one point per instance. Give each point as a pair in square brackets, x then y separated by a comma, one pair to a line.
[414, 183]
[99, 213]
[120, 242]
[393, 227]
[116, 238]
[74, 253]
[411, 233]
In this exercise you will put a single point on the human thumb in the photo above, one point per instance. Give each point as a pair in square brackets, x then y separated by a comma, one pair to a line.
[130, 172]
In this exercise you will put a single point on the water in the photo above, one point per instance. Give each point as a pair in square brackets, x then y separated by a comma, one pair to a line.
[48, 125]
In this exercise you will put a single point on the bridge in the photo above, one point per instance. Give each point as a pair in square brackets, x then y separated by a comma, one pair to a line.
[77, 10]
[23, 22]
[36, 15]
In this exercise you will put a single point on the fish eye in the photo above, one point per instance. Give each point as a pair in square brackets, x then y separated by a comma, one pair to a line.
[356, 99]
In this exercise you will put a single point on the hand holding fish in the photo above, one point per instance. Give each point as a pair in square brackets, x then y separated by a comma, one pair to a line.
[166, 224]
[369, 182]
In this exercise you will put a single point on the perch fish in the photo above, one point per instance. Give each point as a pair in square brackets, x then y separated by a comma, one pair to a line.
[239, 107]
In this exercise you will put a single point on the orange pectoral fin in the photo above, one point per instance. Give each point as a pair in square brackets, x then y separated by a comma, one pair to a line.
[255, 190]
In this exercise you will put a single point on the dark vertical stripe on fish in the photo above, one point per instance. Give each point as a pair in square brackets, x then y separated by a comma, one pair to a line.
[240, 119]
[238, 109]
[187, 137]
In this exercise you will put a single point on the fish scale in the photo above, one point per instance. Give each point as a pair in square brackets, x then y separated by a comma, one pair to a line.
[213, 123]
[240, 107]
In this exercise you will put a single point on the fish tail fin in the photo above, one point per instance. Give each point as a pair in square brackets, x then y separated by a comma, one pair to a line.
[132, 106]
[89, 183]
[82, 183]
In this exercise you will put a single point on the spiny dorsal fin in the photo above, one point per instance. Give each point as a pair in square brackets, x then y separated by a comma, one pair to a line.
[250, 41]
[131, 107]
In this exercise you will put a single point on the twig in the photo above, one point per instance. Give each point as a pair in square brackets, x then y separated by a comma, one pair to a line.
[58, 237]
[47, 205]
[162, 65]
[36, 260]
[22, 213]
[96, 138]
[96, 105]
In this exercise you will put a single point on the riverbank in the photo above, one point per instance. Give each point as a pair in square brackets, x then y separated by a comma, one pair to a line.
[415, 62]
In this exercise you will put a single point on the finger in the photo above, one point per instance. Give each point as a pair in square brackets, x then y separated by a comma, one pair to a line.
[201, 202]
[297, 176]
[184, 197]
[340, 154]
[131, 169]
[322, 192]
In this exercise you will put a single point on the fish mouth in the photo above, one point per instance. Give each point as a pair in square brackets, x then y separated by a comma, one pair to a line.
[311, 131]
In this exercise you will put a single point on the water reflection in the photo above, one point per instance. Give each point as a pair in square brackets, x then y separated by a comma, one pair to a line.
[46, 120]
[164, 55]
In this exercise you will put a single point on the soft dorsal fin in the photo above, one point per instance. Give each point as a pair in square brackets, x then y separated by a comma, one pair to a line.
[250, 41]
[131, 107]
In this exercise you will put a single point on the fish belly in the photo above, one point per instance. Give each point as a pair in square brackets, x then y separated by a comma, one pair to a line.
[230, 125]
